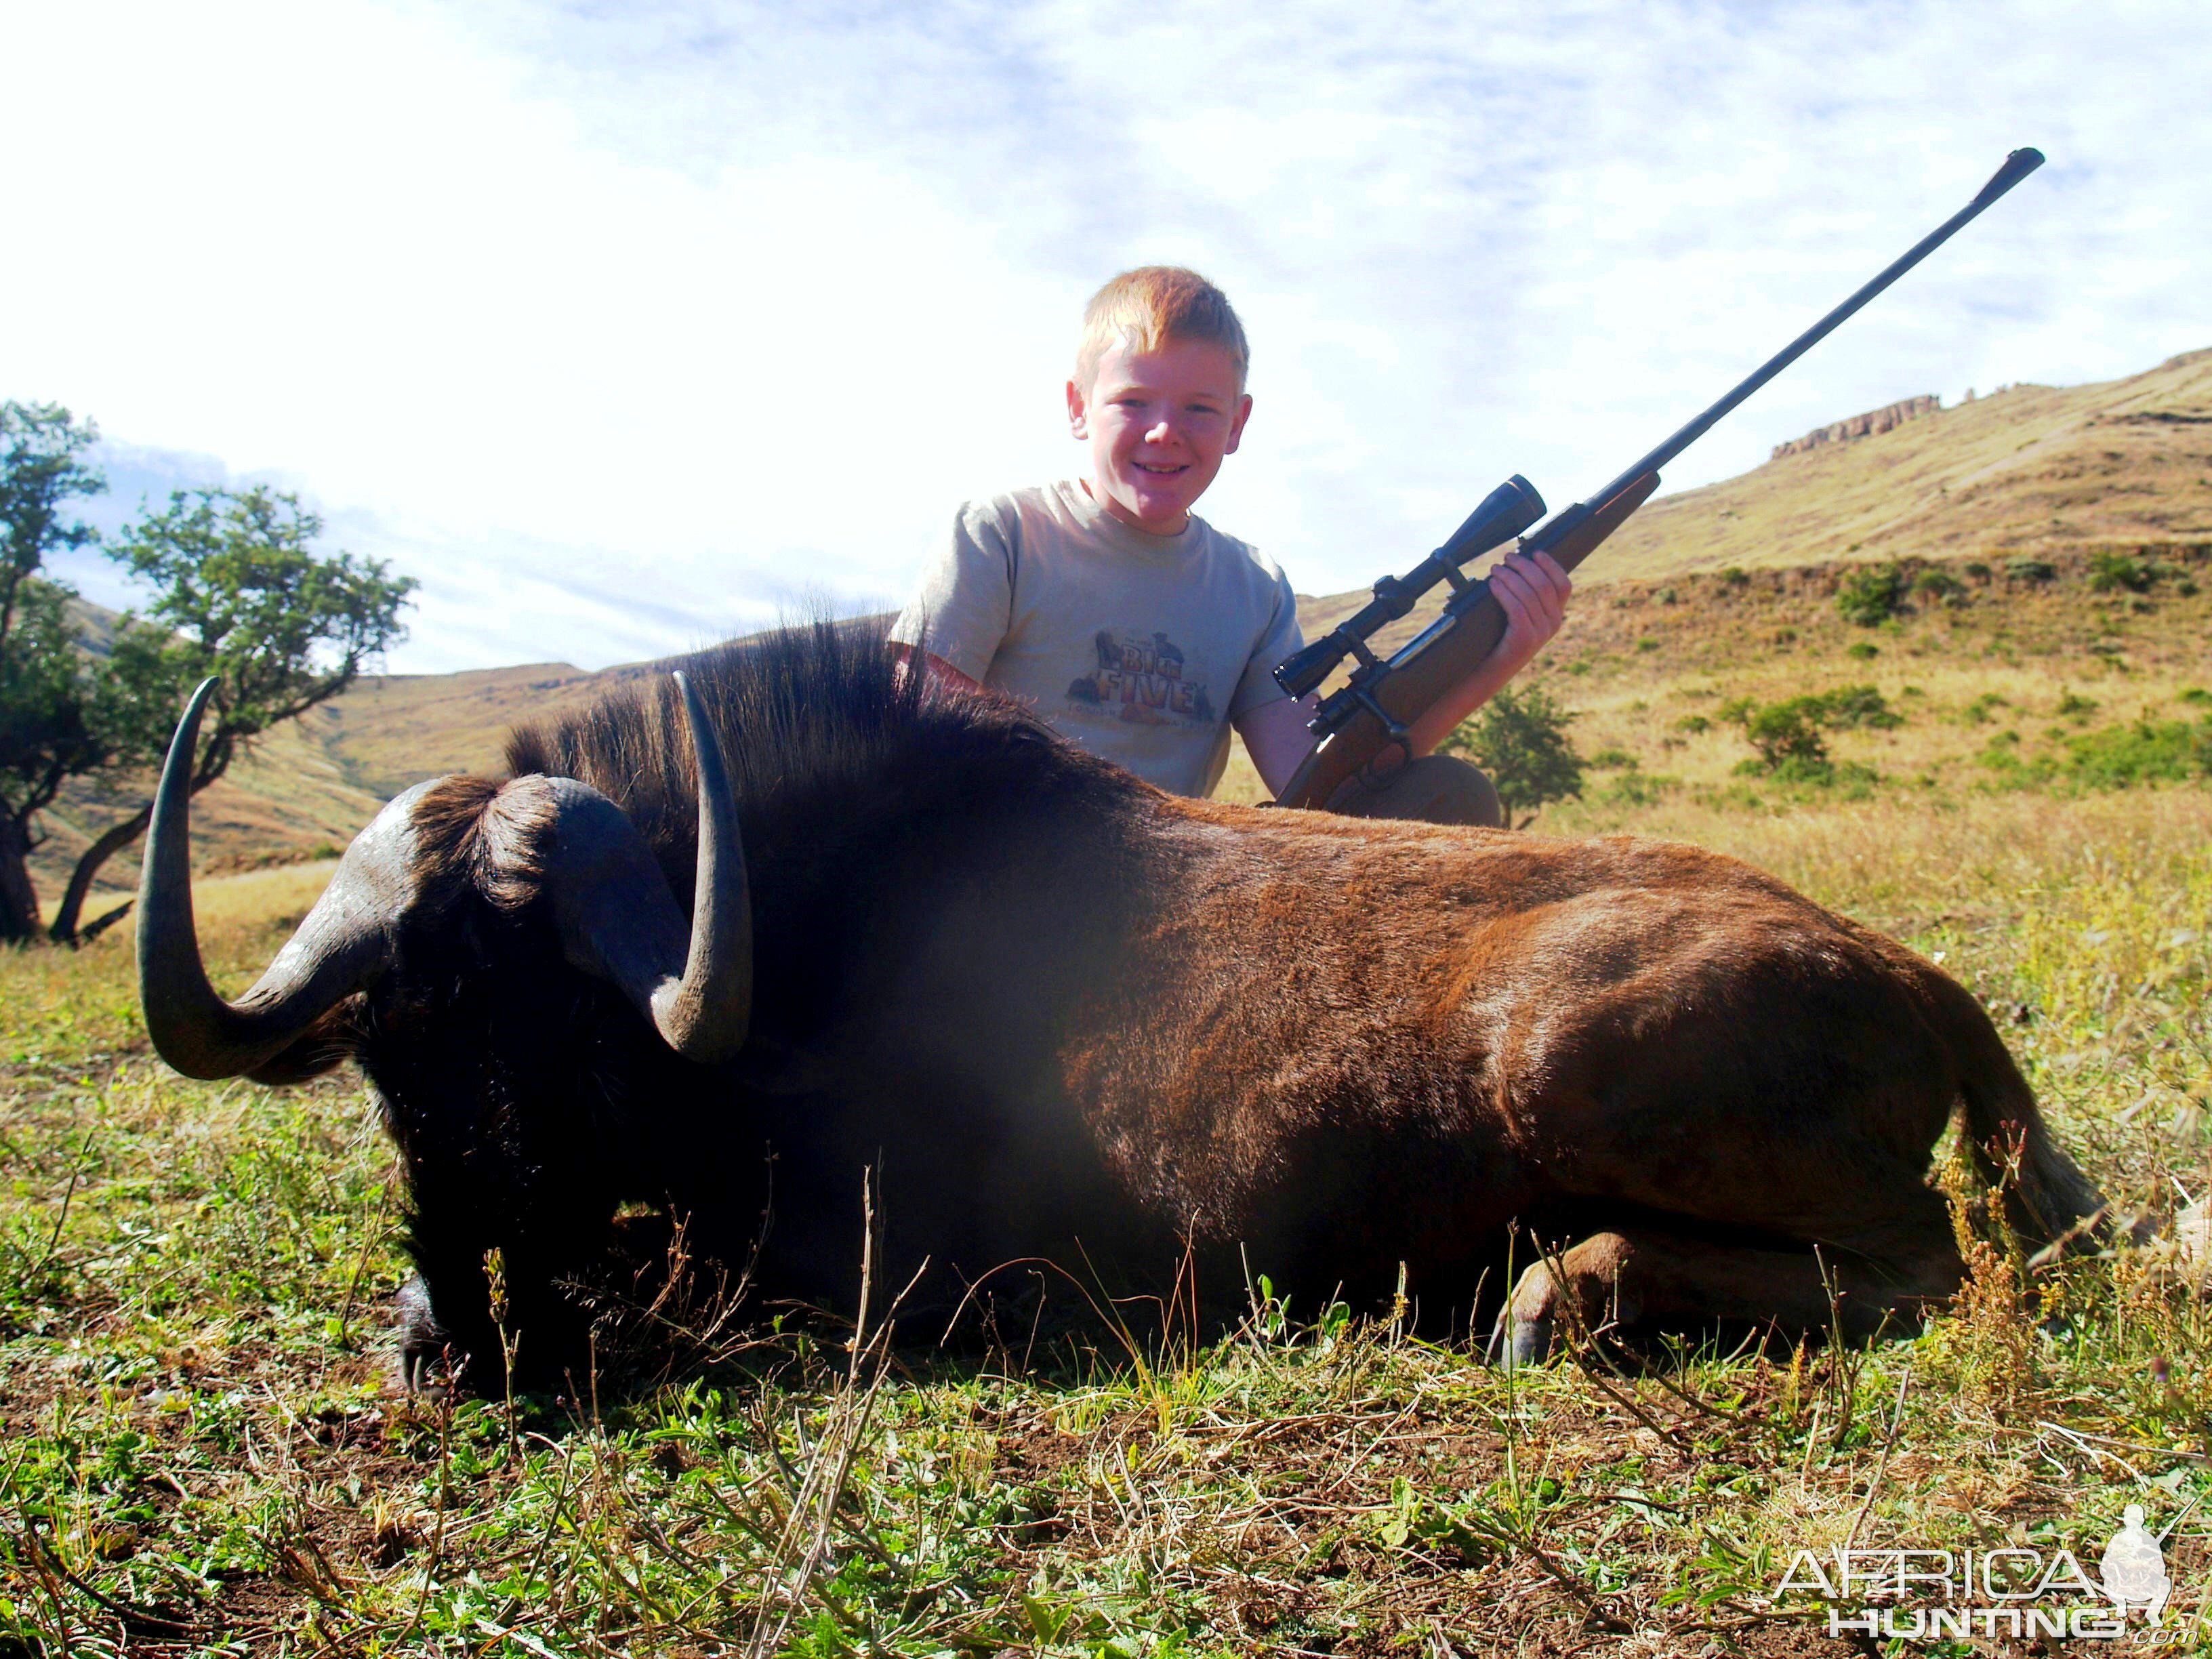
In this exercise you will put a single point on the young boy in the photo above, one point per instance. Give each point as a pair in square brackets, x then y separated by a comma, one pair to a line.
[1133, 626]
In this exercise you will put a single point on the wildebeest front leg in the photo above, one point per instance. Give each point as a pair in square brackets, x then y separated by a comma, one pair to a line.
[1650, 1280]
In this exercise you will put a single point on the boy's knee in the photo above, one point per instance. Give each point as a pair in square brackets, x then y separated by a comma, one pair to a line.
[1434, 789]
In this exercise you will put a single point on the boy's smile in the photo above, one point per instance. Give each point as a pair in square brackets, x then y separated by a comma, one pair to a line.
[1159, 424]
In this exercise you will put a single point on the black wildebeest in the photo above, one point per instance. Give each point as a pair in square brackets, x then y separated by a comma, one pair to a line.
[1060, 1005]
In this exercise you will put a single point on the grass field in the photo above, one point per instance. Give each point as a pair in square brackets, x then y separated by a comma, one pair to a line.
[203, 1453]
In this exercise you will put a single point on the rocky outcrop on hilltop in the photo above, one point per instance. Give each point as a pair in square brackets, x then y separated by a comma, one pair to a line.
[1861, 426]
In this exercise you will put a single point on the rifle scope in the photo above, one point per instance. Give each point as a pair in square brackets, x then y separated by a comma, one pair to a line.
[1505, 514]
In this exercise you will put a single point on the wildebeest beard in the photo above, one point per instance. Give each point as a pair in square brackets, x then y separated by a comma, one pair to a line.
[1065, 1015]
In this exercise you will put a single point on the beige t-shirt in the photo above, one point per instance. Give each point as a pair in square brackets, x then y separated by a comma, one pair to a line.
[1140, 648]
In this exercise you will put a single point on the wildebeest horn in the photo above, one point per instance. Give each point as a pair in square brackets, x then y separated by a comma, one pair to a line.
[618, 920]
[343, 942]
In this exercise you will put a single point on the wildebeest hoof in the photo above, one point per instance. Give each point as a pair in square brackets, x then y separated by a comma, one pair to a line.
[1518, 1342]
[429, 1363]
[1523, 1334]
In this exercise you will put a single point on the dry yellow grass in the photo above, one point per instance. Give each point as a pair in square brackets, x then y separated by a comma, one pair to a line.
[2034, 469]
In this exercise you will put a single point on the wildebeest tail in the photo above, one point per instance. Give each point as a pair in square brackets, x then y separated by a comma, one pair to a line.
[2045, 1193]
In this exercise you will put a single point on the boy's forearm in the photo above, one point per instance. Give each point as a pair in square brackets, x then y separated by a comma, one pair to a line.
[1276, 737]
[940, 669]
[935, 666]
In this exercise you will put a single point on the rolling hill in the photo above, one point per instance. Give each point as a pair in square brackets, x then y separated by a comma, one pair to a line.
[2030, 472]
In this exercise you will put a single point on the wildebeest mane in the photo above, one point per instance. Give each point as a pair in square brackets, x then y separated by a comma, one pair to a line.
[822, 716]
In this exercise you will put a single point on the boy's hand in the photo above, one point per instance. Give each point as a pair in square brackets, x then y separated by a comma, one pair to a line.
[1533, 592]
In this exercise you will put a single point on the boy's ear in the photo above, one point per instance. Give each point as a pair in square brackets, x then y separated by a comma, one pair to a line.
[1236, 422]
[1078, 414]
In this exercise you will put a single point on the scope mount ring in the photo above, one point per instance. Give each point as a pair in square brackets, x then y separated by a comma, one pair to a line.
[1401, 735]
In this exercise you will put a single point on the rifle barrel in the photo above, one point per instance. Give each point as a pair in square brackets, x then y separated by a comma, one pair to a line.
[2017, 166]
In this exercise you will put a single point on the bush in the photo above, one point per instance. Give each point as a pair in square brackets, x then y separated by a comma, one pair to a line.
[1860, 705]
[1788, 731]
[1864, 650]
[1940, 585]
[1872, 596]
[1856, 781]
[2071, 706]
[2168, 752]
[1978, 570]
[1734, 576]
[1693, 724]
[1638, 788]
[2198, 694]
[1787, 734]
[1520, 740]
[2030, 570]
[2111, 572]
[1611, 759]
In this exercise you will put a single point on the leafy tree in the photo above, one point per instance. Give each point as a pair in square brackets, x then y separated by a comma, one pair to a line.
[239, 595]
[54, 724]
[1872, 595]
[1521, 739]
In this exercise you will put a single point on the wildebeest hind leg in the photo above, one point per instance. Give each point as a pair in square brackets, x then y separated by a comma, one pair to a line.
[1646, 1279]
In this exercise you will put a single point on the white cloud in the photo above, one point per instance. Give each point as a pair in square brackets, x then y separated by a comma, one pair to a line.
[621, 327]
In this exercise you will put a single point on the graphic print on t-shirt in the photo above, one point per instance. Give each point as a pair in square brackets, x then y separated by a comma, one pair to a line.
[1141, 681]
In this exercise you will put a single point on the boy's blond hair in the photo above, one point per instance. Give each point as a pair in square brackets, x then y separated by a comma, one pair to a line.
[1143, 309]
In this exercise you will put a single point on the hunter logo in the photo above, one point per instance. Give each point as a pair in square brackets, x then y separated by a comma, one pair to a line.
[2135, 1569]
[2021, 1594]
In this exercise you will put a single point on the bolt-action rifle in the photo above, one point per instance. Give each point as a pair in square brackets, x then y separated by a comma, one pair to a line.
[1374, 712]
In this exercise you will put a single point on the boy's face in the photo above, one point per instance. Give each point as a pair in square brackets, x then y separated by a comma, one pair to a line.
[1159, 424]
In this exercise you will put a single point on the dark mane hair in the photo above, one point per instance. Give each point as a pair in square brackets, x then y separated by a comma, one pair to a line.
[808, 715]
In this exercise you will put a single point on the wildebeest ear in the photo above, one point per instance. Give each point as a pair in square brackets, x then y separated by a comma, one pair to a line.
[329, 1042]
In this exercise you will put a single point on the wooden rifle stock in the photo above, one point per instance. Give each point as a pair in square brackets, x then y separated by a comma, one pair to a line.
[1448, 652]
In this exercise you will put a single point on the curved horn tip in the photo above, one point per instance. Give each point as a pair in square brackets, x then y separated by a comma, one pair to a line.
[188, 723]
[707, 1016]
[335, 949]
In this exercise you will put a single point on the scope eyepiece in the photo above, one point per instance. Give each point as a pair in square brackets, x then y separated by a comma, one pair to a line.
[1303, 670]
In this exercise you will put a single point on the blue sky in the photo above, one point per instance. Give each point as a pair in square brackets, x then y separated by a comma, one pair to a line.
[624, 327]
